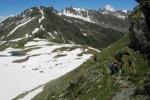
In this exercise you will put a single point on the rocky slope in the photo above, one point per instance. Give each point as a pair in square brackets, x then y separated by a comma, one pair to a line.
[140, 27]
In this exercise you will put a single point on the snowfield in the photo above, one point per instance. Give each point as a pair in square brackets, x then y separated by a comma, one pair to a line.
[22, 70]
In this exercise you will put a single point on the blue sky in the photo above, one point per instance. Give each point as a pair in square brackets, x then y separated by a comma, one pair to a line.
[12, 7]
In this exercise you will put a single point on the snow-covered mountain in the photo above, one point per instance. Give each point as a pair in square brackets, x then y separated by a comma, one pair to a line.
[105, 17]
[122, 14]
[77, 13]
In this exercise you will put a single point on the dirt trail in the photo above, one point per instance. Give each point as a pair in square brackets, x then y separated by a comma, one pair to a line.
[126, 90]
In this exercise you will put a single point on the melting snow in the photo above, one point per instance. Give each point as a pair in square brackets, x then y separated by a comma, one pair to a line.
[56, 32]
[41, 66]
[94, 49]
[51, 35]
[15, 40]
[41, 27]
[2, 42]
[35, 30]
[42, 18]
[84, 34]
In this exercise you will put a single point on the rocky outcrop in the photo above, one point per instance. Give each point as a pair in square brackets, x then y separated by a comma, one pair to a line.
[140, 27]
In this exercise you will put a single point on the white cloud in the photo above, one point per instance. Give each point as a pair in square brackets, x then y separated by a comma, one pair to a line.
[110, 8]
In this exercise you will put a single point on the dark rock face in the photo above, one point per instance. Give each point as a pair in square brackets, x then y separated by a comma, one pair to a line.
[140, 27]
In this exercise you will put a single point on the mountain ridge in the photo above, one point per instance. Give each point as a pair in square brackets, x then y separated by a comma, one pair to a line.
[45, 22]
[96, 16]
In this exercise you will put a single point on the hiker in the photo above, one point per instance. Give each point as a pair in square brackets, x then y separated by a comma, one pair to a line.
[94, 57]
[111, 69]
[114, 68]
[118, 56]
[129, 62]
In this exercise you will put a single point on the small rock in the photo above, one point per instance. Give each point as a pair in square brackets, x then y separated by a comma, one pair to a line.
[35, 69]
[41, 71]
[23, 66]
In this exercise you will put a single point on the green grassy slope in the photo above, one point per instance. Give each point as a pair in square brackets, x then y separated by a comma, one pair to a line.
[92, 80]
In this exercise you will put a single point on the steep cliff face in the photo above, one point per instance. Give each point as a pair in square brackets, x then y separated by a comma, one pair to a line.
[140, 27]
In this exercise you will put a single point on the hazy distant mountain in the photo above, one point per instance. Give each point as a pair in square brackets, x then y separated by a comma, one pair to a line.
[106, 17]
[2, 18]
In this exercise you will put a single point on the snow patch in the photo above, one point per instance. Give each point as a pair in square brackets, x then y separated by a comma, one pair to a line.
[94, 49]
[2, 42]
[31, 10]
[51, 35]
[41, 27]
[42, 13]
[18, 39]
[70, 42]
[56, 32]
[27, 35]
[35, 30]
[85, 34]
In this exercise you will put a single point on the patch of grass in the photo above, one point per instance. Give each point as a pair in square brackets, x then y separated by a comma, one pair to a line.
[67, 48]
